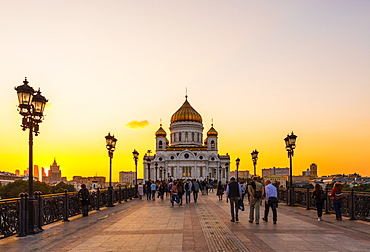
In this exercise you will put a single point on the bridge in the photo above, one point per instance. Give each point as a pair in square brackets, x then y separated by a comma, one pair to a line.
[141, 225]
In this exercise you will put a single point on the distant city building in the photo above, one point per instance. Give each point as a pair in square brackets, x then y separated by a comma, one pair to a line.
[313, 171]
[36, 171]
[91, 182]
[277, 179]
[185, 155]
[127, 177]
[17, 173]
[241, 174]
[55, 174]
[275, 171]
[8, 177]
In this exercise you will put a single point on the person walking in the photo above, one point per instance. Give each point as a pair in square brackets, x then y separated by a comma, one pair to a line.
[84, 196]
[148, 191]
[188, 186]
[220, 190]
[195, 189]
[162, 189]
[234, 194]
[255, 190]
[153, 188]
[174, 192]
[337, 197]
[180, 191]
[140, 190]
[271, 201]
[317, 195]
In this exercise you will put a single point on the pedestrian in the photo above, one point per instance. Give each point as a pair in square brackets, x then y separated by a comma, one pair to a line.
[140, 190]
[271, 201]
[84, 196]
[180, 191]
[153, 188]
[211, 186]
[203, 187]
[337, 197]
[162, 189]
[318, 197]
[174, 193]
[255, 190]
[234, 194]
[148, 191]
[244, 189]
[188, 185]
[195, 189]
[220, 190]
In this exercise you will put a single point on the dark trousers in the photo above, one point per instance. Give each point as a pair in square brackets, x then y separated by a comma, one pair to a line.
[153, 194]
[319, 207]
[195, 194]
[179, 197]
[337, 207]
[274, 212]
[187, 196]
[148, 195]
[234, 207]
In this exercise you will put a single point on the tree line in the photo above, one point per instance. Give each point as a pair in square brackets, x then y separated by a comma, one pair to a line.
[12, 190]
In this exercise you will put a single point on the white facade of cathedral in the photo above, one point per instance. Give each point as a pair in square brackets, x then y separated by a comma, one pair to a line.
[186, 156]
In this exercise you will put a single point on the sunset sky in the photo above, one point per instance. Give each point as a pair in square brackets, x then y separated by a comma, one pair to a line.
[260, 69]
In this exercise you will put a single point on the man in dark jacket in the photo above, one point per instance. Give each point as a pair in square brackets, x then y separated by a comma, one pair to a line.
[234, 194]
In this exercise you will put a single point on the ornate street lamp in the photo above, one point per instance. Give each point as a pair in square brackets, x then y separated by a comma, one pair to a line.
[111, 146]
[136, 158]
[148, 161]
[254, 159]
[290, 146]
[237, 169]
[161, 172]
[31, 107]
[156, 171]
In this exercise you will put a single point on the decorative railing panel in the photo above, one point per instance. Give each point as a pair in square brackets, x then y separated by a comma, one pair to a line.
[9, 211]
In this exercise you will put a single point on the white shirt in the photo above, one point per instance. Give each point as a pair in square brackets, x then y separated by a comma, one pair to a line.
[270, 191]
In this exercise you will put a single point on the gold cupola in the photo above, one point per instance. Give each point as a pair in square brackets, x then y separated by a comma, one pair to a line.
[212, 132]
[160, 132]
[186, 113]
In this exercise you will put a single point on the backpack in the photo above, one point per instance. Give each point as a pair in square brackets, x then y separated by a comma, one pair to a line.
[257, 194]
[186, 186]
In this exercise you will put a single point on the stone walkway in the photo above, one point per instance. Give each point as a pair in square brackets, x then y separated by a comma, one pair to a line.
[141, 225]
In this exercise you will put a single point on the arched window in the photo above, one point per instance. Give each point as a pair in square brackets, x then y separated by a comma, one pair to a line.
[212, 144]
[160, 144]
[186, 136]
[192, 137]
[180, 136]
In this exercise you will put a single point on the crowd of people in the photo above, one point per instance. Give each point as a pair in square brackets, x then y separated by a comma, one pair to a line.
[255, 193]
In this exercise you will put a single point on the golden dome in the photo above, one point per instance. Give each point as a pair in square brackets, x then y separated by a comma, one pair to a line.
[186, 113]
[205, 141]
[160, 132]
[212, 132]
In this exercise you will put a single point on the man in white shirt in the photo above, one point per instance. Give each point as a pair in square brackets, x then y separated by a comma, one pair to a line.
[271, 201]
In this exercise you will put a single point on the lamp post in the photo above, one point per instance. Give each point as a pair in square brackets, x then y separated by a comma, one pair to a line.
[290, 146]
[111, 146]
[226, 171]
[31, 107]
[136, 158]
[237, 169]
[254, 159]
[148, 161]
[161, 172]
[164, 170]
[156, 171]
[219, 169]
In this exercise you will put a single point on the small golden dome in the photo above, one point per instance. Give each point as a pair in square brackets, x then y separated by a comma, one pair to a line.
[186, 113]
[205, 141]
[212, 132]
[160, 132]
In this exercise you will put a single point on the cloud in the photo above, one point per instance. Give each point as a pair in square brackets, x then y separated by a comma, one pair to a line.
[137, 125]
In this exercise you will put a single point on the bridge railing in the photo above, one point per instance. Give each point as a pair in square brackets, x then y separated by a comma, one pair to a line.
[355, 205]
[53, 207]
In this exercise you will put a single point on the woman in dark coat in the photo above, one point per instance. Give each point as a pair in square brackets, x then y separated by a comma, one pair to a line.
[85, 199]
[220, 190]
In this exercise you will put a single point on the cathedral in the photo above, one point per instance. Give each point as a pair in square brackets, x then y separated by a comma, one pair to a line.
[186, 156]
